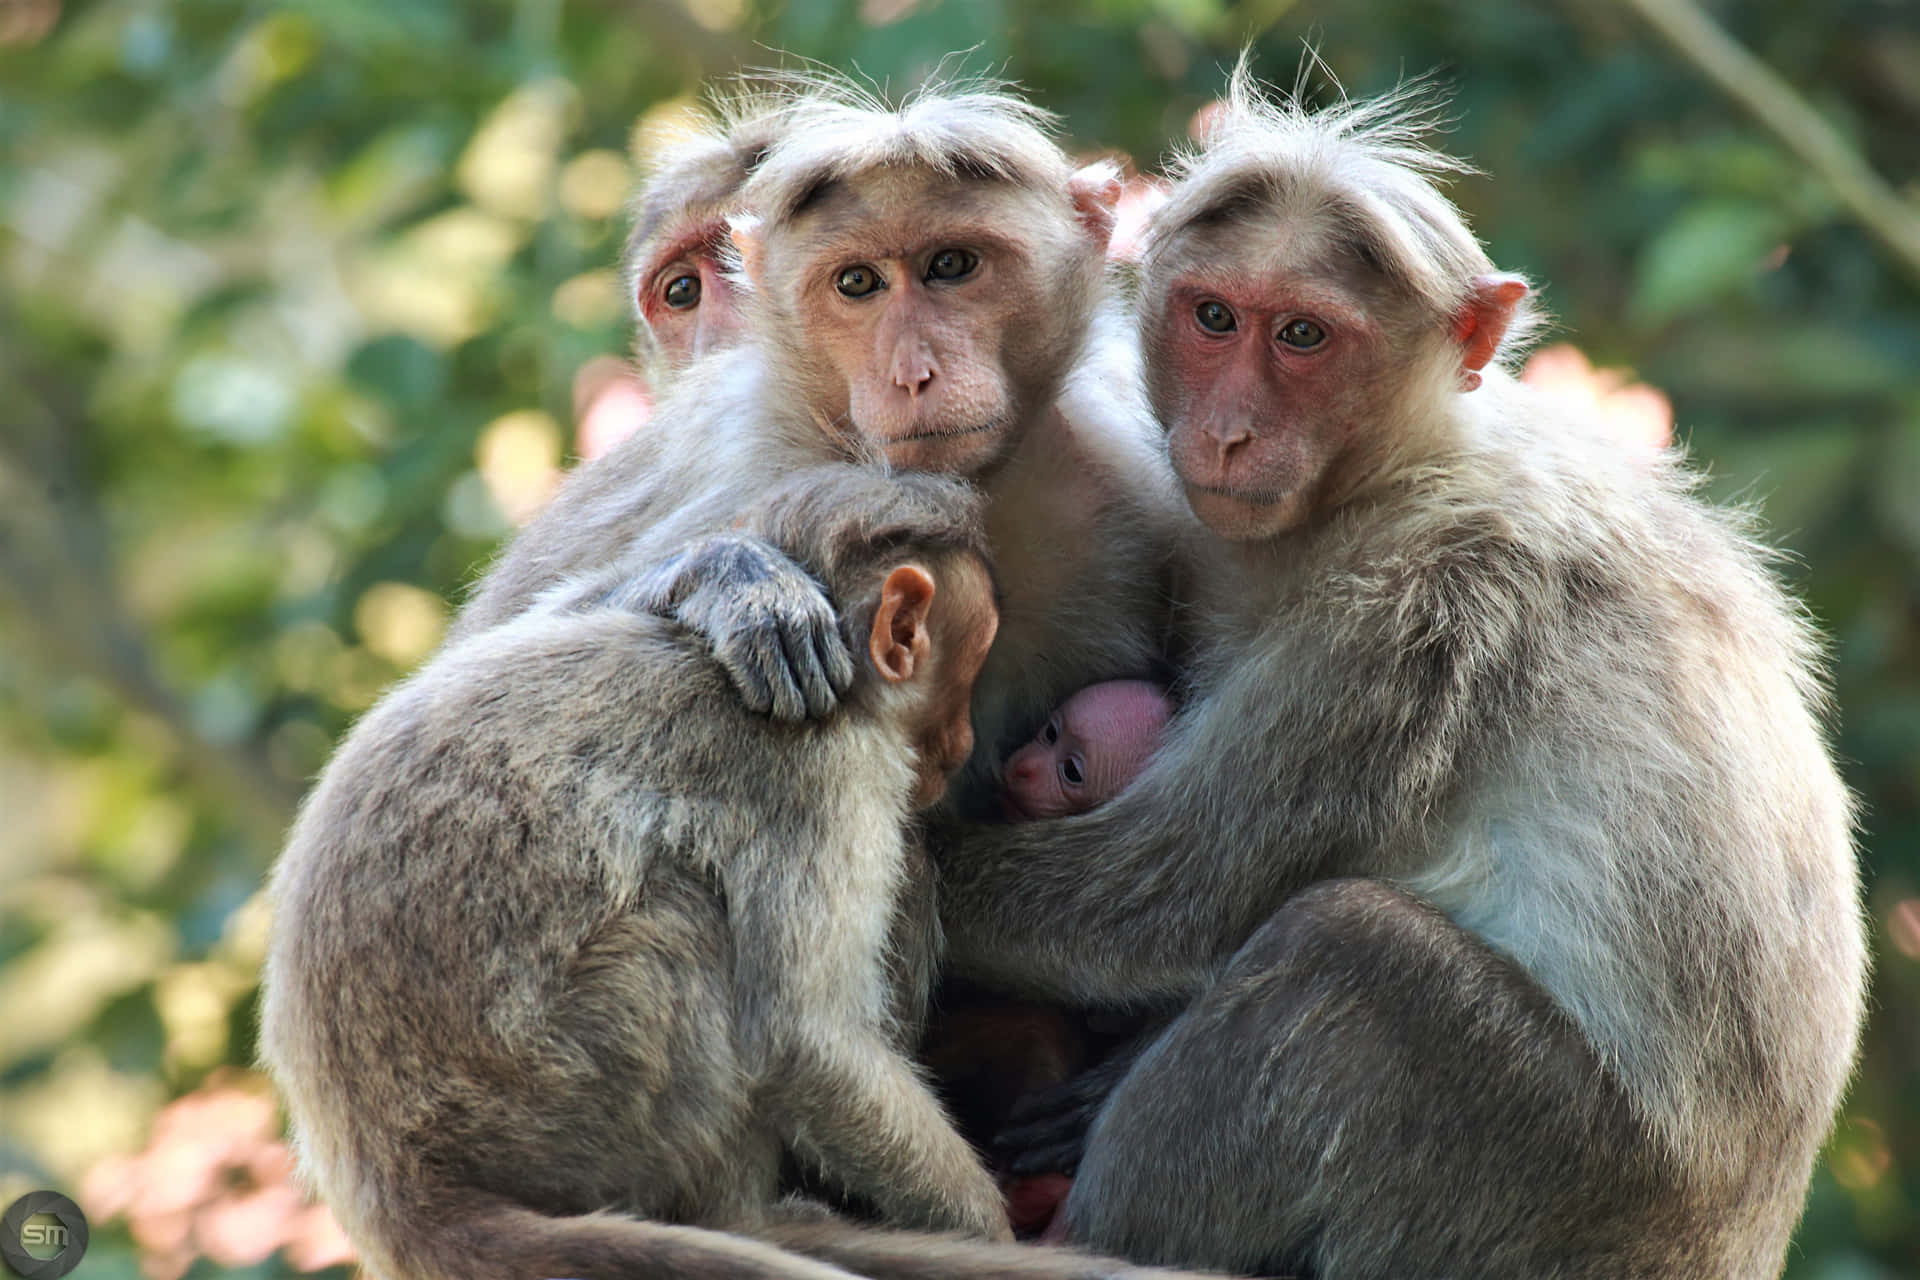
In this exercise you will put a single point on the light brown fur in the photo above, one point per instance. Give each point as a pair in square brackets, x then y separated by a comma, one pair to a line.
[679, 229]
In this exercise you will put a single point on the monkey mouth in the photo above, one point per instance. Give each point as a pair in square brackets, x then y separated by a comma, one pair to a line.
[1253, 497]
[946, 433]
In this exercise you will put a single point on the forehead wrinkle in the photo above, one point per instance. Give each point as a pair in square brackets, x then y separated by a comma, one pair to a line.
[689, 243]
[907, 243]
[899, 220]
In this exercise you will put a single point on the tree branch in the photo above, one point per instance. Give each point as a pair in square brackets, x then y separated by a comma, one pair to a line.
[1889, 218]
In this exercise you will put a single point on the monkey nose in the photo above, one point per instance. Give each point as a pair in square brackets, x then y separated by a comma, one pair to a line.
[912, 375]
[1227, 438]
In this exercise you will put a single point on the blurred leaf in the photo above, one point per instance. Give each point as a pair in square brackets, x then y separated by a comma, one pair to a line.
[401, 369]
[1798, 476]
[130, 1031]
[1791, 362]
[1709, 249]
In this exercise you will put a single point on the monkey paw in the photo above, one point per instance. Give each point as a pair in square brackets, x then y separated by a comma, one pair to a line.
[771, 626]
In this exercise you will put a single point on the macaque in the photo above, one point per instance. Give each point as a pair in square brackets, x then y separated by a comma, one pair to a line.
[1090, 748]
[685, 304]
[1497, 853]
[571, 949]
[918, 286]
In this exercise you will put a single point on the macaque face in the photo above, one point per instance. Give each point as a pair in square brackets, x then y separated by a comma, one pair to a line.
[686, 302]
[920, 298]
[1088, 751]
[1270, 371]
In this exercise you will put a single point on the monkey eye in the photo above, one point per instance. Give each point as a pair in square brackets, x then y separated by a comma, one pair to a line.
[952, 264]
[1215, 316]
[683, 292]
[1301, 335]
[1071, 772]
[858, 281]
[1050, 733]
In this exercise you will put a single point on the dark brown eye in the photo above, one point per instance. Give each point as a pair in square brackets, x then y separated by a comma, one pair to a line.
[683, 292]
[1051, 733]
[857, 282]
[1071, 771]
[1302, 335]
[952, 264]
[1214, 316]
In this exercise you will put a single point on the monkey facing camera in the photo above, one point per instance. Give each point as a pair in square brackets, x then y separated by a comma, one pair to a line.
[1496, 850]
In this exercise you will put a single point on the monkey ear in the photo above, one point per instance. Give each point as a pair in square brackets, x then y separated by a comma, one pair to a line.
[744, 229]
[899, 641]
[1480, 325]
[1096, 197]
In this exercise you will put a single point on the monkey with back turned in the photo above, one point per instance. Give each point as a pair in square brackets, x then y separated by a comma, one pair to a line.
[558, 1002]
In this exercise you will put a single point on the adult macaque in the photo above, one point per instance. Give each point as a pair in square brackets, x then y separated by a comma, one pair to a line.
[684, 302]
[1496, 847]
[922, 283]
[571, 948]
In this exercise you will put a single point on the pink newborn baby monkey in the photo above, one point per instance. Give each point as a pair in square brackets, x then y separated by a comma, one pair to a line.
[1093, 745]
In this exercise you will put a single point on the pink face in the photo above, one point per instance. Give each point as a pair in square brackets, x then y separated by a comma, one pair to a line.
[685, 301]
[1282, 364]
[911, 289]
[1268, 384]
[1089, 750]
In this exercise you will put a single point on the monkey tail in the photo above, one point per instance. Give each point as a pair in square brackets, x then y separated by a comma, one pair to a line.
[908, 1255]
[501, 1240]
[497, 1239]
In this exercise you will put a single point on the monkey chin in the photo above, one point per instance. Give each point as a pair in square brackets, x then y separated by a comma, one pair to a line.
[1242, 517]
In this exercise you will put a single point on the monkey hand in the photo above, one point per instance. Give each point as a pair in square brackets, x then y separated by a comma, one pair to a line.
[1047, 1130]
[771, 626]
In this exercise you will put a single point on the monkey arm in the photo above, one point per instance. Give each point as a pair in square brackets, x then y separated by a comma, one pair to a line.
[770, 624]
[813, 1010]
[1316, 750]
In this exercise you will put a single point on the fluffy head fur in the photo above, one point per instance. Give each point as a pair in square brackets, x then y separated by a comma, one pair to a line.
[959, 128]
[1365, 166]
[923, 367]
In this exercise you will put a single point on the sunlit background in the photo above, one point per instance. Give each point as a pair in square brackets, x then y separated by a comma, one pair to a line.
[304, 306]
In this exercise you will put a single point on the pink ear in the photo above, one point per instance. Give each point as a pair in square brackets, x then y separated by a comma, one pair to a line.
[1095, 191]
[1480, 325]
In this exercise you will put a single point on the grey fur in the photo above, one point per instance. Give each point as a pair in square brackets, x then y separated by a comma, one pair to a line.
[571, 949]
[1498, 849]
[622, 962]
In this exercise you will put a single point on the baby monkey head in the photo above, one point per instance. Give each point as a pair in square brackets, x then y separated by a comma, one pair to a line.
[904, 558]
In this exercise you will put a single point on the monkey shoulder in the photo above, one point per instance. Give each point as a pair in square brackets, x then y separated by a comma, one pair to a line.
[533, 784]
[677, 478]
[1531, 537]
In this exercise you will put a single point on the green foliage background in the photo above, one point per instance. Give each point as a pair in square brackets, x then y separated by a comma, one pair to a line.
[269, 272]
